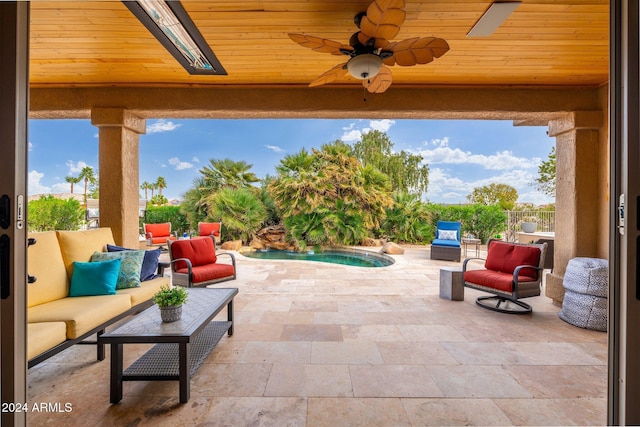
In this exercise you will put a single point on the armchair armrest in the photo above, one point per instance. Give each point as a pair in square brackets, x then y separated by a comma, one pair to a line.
[464, 263]
[516, 273]
[161, 267]
[187, 260]
[233, 258]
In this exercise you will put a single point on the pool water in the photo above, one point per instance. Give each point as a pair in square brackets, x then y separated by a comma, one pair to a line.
[353, 257]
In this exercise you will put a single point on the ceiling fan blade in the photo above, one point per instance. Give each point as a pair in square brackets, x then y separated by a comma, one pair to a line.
[382, 21]
[380, 82]
[417, 51]
[329, 76]
[320, 45]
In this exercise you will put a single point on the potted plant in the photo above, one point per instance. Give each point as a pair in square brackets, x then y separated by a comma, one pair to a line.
[529, 224]
[170, 300]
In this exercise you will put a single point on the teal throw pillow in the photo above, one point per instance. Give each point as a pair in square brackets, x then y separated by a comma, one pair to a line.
[94, 278]
[129, 276]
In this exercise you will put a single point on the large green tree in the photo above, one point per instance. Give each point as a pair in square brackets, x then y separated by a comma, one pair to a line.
[405, 170]
[328, 196]
[546, 180]
[502, 195]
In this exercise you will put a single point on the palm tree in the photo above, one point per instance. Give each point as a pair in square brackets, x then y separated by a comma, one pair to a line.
[242, 210]
[88, 176]
[160, 184]
[146, 187]
[228, 173]
[72, 180]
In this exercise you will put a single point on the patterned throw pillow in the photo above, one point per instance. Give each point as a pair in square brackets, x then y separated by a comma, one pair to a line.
[447, 235]
[149, 262]
[129, 276]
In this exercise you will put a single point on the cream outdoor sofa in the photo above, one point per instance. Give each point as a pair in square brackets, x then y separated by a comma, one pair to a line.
[57, 321]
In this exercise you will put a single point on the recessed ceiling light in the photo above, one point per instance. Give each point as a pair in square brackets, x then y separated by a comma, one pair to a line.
[172, 26]
[497, 13]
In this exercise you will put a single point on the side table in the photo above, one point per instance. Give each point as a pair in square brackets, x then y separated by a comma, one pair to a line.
[451, 284]
[466, 241]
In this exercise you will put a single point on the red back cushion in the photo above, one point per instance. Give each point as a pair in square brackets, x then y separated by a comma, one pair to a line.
[158, 230]
[200, 251]
[505, 257]
[209, 228]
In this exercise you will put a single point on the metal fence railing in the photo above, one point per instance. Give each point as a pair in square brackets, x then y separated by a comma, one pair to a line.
[546, 221]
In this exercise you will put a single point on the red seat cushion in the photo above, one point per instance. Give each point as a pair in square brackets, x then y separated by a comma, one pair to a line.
[203, 273]
[162, 239]
[200, 251]
[494, 279]
[158, 230]
[209, 228]
[505, 257]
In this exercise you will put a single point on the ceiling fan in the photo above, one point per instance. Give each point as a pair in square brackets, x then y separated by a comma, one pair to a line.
[370, 50]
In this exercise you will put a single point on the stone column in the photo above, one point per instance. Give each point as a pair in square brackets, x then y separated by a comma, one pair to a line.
[119, 172]
[577, 192]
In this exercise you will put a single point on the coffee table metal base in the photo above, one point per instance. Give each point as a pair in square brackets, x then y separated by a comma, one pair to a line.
[167, 362]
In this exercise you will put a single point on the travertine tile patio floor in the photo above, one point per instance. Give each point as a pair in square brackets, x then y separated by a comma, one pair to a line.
[327, 345]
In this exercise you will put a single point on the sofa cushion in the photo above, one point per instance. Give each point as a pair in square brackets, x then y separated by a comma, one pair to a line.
[505, 257]
[149, 262]
[74, 312]
[145, 291]
[494, 279]
[200, 251]
[80, 245]
[94, 278]
[46, 264]
[44, 336]
[131, 264]
[452, 243]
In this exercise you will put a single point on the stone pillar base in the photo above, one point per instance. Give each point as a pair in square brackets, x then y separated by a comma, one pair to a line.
[554, 288]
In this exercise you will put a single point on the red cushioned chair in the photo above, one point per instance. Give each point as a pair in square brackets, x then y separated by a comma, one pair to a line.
[511, 271]
[194, 262]
[210, 229]
[158, 234]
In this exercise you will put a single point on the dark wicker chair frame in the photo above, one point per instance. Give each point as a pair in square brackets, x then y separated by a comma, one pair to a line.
[186, 279]
[511, 300]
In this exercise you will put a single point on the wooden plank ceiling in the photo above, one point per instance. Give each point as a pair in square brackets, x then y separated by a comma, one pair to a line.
[543, 43]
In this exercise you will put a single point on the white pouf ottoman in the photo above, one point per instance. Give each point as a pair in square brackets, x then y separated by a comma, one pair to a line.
[586, 284]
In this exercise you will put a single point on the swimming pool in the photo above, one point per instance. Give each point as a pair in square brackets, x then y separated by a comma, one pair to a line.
[353, 257]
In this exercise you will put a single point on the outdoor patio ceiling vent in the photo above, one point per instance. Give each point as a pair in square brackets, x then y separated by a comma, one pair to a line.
[364, 66]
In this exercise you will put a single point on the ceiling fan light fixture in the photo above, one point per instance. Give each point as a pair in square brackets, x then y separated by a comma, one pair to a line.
[364, 66]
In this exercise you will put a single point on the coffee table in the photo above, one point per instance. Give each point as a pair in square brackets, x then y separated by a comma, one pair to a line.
[181, 347]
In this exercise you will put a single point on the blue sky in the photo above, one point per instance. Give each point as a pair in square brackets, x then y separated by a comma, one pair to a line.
[461, 154]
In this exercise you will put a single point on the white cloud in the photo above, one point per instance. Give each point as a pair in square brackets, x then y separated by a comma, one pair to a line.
[382, 125]
[274, 148]
[449, 189]
[502, 160]
[351, 135]
[34, 185]
[195, 159]
[30, 146]
[75, 168]
[162, 125]
[178, 165]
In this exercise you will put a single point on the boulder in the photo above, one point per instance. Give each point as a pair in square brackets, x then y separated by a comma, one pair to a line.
[371, 242]
[274, 237]
[256, 244]
[231, 245]
[392, 249]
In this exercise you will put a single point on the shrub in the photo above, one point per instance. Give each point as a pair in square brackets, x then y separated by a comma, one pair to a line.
[51, 213]
[481, 221]
[172, 214]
